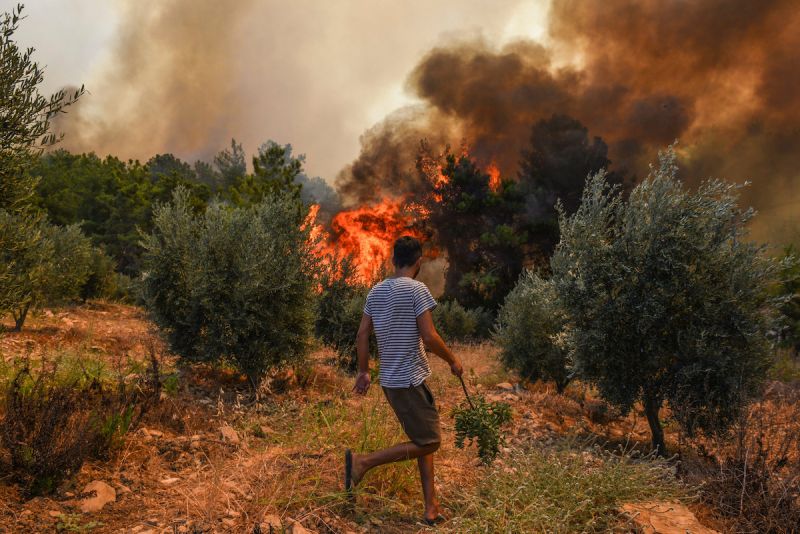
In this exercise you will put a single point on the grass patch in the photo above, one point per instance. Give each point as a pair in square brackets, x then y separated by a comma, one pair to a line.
[564, 489]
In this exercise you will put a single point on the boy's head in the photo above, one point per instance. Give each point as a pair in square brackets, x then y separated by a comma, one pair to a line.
[407, 253]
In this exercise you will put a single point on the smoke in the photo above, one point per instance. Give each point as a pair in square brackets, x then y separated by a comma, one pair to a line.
[170, 86]
[720, 76]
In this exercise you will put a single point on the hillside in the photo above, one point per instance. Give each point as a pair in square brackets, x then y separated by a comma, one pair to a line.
[209, 459]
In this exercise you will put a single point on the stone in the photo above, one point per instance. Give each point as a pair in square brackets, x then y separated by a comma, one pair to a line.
[169, 481]
[55, 513]
[505, 386]
[228, 522]
[297, 528]
[103, 494]
[270, 521]
[229, 434]
[664, 518]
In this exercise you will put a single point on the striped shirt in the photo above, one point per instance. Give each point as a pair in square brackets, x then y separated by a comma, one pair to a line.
[394, 306]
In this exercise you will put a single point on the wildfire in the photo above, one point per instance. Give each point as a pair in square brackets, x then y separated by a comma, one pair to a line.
[367, 233]
[494, 176]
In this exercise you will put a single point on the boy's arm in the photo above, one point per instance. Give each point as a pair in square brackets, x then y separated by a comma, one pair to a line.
[434, 342]
[362, 346]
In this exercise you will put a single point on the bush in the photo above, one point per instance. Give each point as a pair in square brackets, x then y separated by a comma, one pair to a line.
[531, 332]
[754, 478]
[49, 269]
[667, 298]
[479, 422]
[56, 418]
[457, 323]
[233, 284]
[340, 306]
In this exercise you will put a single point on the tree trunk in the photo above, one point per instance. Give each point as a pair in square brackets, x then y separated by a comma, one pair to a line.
[652, 404]
[19, 320]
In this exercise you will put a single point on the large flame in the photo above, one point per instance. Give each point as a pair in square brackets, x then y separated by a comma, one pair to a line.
[367, 233]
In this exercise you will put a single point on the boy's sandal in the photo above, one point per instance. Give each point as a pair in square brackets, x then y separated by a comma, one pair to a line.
[348, 471]
[435, 521]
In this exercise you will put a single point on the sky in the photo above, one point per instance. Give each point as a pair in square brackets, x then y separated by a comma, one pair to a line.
[185, 76]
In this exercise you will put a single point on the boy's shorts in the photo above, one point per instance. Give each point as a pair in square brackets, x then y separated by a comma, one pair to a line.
[415, 409]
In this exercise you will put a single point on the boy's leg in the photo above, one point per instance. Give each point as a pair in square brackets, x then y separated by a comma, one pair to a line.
[396, 453]
[425, 464]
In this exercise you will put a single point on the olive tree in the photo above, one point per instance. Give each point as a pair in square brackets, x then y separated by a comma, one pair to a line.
[532, 331]
[666, 297]
[49, 268]
[232, 284]
[25, 116]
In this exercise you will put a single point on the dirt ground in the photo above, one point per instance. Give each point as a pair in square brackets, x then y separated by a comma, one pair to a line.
[209, 459]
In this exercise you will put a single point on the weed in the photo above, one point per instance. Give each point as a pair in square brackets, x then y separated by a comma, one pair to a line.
[480, 422]
[560, 490]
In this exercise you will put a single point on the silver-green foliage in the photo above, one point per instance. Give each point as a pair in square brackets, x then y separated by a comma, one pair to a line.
[50, 267]
[532, 331]
[25, 116]
[666, 297]
[457, 323]
[232, 284]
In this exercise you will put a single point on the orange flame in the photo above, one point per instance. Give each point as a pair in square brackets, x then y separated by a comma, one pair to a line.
[494, 176]
[368, 233]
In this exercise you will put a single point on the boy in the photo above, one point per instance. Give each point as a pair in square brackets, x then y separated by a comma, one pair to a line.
[399, 310]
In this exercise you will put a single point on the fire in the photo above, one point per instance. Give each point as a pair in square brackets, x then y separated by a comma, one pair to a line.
[367, 233]
[494, 176]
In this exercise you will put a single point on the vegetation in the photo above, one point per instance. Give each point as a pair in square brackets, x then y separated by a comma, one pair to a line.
[25, 131]
[340, 305]
[57, 417]
[532, 332]
[478, 421]
[667, 301]
[457, 323]
[233, 284]
[562, 489]
[479, 226]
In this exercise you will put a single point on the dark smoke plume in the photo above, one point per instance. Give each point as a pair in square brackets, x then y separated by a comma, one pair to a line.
[721, 76]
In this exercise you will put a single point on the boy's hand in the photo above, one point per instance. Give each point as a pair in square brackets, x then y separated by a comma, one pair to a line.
[362, 383]
[456, 368]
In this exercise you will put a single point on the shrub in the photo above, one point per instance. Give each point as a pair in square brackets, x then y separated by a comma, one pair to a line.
[56, 418]
[340, 306]
[754, 478]
[457, 323]
[667, 298]
[49, 269]
[479, 421]
[233, 284]
[531, 332]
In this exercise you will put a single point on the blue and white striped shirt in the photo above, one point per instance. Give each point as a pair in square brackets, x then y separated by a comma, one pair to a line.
[394, 306]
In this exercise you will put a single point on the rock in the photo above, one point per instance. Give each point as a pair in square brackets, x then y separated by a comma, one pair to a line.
[25, 512]
[270, 521]
[664, 518]
[505, 386]
[229, 434]
[55, 513]
[169, 481]
[228, 522]
[297, 528]
[123, 488]
[103, 494]
[232, 513]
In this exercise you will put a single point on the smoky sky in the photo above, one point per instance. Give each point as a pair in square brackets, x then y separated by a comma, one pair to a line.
[185, 76]
[721, 77]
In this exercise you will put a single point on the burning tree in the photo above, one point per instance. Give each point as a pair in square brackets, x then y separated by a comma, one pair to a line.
[666, 299]
[477, 220]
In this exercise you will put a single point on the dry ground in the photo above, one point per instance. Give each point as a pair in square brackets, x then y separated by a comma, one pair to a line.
[179, 472]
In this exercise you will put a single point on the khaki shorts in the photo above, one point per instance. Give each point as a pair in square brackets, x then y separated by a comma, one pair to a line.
[417, 413]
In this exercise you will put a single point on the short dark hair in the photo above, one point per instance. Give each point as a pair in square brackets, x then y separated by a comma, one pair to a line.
[407, 250]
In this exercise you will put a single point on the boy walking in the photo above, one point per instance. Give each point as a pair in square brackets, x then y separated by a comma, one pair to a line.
[399, 309]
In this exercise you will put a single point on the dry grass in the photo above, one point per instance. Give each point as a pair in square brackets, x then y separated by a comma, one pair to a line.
[289, 460]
